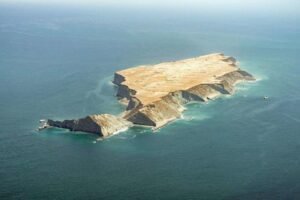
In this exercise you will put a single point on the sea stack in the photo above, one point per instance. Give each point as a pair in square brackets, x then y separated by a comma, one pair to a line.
[156, 94]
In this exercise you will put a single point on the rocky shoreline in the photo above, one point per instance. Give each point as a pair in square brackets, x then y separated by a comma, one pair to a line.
[156, 94]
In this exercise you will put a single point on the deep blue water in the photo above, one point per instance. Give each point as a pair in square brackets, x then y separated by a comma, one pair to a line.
[58, 62]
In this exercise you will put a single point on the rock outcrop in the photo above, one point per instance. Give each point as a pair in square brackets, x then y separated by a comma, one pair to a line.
[103, 125]
[156, 94]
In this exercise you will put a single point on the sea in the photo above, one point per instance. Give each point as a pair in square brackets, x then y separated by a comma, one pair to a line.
[58, 62]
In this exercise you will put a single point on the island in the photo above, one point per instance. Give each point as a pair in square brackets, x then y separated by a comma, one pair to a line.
[156, 94]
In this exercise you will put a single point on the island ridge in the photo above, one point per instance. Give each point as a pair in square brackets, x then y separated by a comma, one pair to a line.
[156, 94]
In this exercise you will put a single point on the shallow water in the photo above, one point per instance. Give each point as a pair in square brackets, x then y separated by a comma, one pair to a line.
[58, 63]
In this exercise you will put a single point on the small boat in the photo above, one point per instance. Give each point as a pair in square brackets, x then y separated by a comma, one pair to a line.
[266, 97]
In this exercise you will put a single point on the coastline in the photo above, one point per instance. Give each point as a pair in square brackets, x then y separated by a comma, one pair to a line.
[155, 95]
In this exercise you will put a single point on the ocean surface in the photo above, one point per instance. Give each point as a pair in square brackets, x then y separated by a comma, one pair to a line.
[58, 62]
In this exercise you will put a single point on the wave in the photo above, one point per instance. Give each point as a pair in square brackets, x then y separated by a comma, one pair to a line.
[99, 87]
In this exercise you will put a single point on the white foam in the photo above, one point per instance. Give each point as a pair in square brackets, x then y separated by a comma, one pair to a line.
[117, 132]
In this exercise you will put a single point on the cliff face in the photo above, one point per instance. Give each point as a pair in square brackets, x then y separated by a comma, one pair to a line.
[157, 94]
[102, 125]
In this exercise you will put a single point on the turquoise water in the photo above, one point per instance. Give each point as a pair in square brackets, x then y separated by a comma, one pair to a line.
[58, 63]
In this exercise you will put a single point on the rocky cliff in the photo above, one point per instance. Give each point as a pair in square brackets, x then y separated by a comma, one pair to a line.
[103, 125]
[156, 94]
